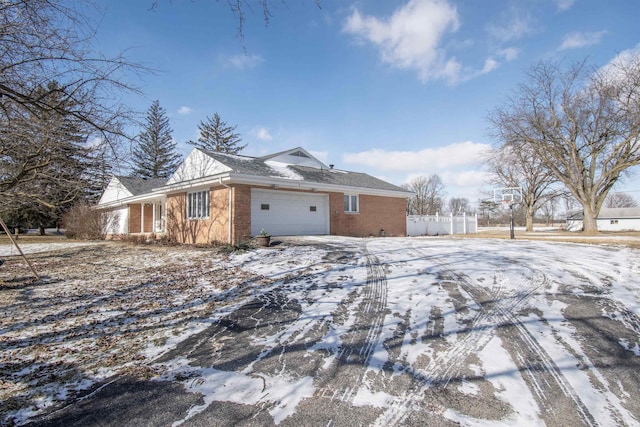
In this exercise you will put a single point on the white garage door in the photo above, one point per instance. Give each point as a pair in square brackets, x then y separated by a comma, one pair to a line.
[287, 213]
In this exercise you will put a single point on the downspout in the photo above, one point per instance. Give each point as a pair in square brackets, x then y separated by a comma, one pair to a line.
[230, 209]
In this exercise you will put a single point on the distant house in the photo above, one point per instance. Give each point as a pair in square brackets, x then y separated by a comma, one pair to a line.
[609, 219]
[216, 197]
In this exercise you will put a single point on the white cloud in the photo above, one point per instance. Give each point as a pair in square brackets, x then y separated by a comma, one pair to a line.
[184, 110]
[430, 160]
[489, 65]
[614, 69]
[563, 5]
[578, 40]
[410, 38]
[509, 54]
[514, 24]
[468, 178]
[243, 61]
[262, 134]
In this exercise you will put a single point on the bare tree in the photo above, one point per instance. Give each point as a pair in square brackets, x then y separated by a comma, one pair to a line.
[429, 195]
[46, 163]
[548, 209]
[239, 9]
[620, 200]
[583, 124]
[41, 42]
[458, 205]
[516, 165]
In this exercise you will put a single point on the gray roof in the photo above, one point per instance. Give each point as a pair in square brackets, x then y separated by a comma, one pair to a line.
[245, 165]
[619, 213]
[138, 186]
[608, 213]
[340, 177]
[256, 166]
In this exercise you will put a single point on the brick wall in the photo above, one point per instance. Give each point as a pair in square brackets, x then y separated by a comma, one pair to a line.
[148, 217]
[134, 217]
[241, 231]
[376, 213]
[199, 231]
[218, 227]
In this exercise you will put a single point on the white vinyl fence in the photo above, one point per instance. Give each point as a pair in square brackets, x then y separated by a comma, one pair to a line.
[437, 225]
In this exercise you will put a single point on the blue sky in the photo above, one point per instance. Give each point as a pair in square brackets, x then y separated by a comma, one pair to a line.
[396, 89]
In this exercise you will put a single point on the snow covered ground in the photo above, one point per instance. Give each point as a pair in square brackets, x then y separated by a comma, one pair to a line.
[333, 331]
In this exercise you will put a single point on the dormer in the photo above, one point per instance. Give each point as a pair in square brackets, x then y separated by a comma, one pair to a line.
[295, 157]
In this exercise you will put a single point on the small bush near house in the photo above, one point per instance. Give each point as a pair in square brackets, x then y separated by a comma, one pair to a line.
[230, 249]
[84, 223]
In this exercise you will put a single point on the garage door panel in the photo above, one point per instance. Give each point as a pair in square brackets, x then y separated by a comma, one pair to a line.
[289, 213]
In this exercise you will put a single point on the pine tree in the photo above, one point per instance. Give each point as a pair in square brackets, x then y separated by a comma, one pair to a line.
[215, 135]
[49, 164]
[155, 154]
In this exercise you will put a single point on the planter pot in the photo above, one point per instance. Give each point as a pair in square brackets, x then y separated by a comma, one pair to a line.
[263, 241]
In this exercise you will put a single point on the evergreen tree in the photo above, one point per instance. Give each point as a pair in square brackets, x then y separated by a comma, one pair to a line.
[155, 154]
[215, 135]
[48, 163]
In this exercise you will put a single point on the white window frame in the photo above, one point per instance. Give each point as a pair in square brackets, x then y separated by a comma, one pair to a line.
[349, 200]
[198, 205]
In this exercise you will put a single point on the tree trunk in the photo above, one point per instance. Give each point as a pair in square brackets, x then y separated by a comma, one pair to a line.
[589, 223]
[530, 215]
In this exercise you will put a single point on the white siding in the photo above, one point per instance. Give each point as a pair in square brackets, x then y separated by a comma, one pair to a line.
[197, 165]
[115, 191]
[118, 222]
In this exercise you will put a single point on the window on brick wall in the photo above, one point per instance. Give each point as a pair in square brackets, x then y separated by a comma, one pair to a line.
[350, 203]
[198, 205]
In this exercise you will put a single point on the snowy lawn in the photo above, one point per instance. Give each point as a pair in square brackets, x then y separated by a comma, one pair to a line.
[333, 331]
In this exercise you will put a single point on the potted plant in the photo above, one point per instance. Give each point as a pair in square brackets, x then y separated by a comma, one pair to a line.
[263, 239]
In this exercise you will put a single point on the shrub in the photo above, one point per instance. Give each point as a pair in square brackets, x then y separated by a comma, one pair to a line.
[85, 223]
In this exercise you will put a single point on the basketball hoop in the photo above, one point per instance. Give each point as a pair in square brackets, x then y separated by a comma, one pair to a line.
[508, 197]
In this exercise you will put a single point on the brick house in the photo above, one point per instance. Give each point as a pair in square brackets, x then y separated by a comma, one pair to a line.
[217, 197]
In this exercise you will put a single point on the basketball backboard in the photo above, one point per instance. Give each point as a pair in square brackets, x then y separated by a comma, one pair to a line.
[507, 196]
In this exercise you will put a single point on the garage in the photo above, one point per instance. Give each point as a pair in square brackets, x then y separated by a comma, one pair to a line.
[289, 213]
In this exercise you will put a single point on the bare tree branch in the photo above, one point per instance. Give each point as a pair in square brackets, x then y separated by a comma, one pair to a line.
[582, 124]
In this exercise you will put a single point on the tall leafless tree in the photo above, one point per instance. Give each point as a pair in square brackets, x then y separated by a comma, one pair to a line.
[47, 164]
[516, 165]
[583, 124]
[620, 199]
[42, 42]
[458, 205]
[429, 195]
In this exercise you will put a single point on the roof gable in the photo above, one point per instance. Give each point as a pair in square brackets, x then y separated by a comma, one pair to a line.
[295, 157]
[122, 187]
[115, 190]
[198, 164]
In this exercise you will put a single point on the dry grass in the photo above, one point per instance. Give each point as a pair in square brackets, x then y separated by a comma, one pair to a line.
[100, 310]
[33, 238]
[626, 238]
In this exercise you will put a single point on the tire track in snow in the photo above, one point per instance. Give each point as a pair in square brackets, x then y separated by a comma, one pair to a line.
[344, 379]
[497, 306]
